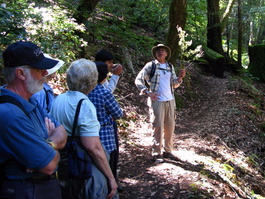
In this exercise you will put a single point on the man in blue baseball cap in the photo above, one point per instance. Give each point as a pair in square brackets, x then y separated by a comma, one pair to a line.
[26, 53]
[29, 137]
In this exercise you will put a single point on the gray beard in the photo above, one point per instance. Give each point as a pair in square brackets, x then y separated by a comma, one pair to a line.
[33, 85]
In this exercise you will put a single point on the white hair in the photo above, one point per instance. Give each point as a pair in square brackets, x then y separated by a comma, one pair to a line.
[82, 75]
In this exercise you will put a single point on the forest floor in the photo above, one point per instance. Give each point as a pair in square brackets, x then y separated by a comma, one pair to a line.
[219, 140]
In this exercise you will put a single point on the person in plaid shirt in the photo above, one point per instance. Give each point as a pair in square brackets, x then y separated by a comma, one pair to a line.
[108, 110]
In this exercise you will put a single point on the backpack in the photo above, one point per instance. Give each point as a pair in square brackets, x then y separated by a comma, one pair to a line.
[153, 69]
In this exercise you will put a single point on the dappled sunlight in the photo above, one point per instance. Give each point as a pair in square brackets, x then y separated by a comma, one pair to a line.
[217, 142]
[163, 168]
[198, 150]
[130, 181]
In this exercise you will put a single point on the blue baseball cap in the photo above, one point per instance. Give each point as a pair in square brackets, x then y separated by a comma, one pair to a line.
[26, 53]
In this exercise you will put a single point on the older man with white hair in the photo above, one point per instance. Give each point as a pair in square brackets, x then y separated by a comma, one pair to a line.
[29, 137]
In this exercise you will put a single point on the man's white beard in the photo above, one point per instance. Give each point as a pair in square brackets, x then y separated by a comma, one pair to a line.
[33, 85]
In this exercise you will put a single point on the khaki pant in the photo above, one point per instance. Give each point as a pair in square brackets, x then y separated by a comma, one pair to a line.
[162, 116]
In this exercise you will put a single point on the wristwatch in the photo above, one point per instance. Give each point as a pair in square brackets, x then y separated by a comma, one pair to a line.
[147, 92]
[53, 145]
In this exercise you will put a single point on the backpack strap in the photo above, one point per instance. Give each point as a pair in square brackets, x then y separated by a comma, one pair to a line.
[12, 100]
[153, 69]
[47, 99]
[171, 66]
[76, 117]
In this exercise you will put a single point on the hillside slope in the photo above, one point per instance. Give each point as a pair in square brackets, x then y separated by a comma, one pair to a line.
[219, 139]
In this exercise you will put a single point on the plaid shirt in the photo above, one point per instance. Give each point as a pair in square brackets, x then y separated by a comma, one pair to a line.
[154, 82]
[107, 110]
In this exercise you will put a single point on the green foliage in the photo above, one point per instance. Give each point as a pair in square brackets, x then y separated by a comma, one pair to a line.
[197, 20]
[57, 34]
[179, 101]
[50, 27]
[227, 167]
[186, 53]
[251, 159]
[13, 19]
[150, 14]
[134, 24]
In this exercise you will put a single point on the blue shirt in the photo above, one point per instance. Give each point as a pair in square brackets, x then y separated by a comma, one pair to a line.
[64, 108]
[45, 97]
[23, 139]
[107, 110]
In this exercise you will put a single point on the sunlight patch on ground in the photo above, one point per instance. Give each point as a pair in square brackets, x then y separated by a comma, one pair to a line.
[144, 129]
[189, 156]
[130, 181]
[202, 170]
[211, 150]
[166, 169]
[172, 173]
[212, 168]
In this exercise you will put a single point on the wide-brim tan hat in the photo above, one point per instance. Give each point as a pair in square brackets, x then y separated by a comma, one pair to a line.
[56, 67]
[153, 50]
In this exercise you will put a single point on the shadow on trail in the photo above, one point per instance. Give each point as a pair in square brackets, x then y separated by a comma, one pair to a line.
[143, 178]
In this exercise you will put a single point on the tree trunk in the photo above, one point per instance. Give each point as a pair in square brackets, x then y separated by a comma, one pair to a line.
[224, 17]
[128, 59]
[257, 61]
[239, 55]
[84, 9]
[251, 35]
[216, 62]
[214, 32]
[177, 16]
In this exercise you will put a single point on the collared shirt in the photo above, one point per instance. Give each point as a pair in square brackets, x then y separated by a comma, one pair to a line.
[107, 110]
[143, 76]
[23, 139]
[64, 107]
[45, 97]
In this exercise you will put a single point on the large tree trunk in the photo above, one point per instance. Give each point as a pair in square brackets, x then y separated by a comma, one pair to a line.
[177, 16]
[257, 61]
[214, 36]
[214, 31]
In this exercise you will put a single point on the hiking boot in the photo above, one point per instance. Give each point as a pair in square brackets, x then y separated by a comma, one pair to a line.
[158, 158]
[170, 156]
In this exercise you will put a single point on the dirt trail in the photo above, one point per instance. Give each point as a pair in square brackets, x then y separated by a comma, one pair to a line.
[215, 138]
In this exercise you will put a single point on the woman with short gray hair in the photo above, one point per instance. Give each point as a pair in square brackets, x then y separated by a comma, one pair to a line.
[81, 78]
